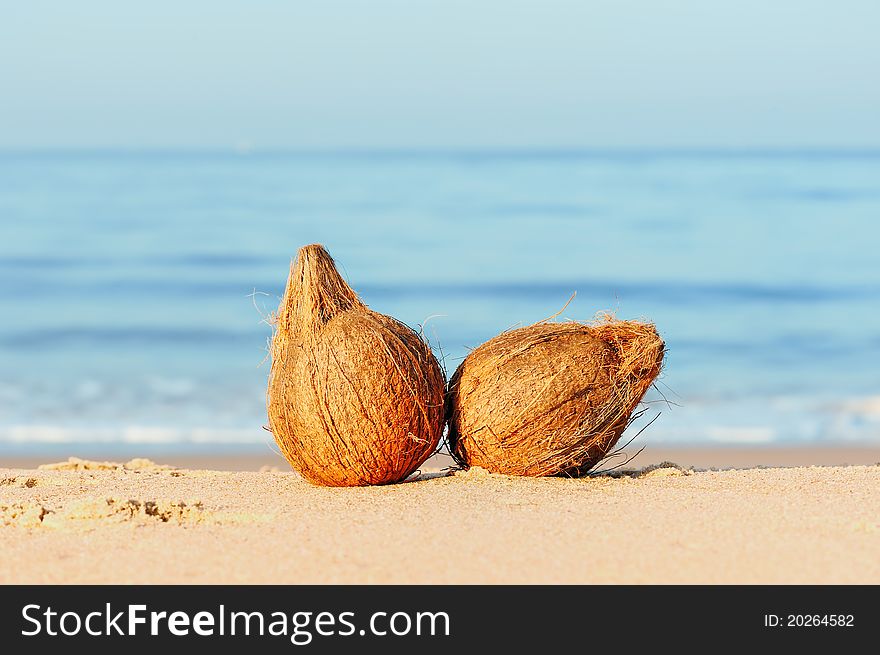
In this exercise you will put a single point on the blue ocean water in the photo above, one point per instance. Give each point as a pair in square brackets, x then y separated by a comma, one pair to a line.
[136, 285]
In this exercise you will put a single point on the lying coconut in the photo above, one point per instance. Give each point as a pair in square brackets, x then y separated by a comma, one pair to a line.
[551, 398]
[355, 397]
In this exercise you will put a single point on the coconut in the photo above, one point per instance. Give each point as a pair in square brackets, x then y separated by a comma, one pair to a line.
[354, 397]
[551, 398]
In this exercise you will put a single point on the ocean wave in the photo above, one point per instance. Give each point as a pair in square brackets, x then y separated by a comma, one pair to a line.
[38, 262]
[754, 420]
[825, 194]
[130, 434]
[29, 283]
[122, 335]
[797, 348]
[196, 260]
[671, 291]
[800, 348]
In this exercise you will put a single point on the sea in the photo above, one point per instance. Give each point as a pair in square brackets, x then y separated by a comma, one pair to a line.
[137, 287]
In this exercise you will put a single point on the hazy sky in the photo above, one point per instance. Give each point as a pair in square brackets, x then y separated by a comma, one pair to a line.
[446, 73]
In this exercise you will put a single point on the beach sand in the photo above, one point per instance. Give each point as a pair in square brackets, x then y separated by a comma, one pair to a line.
[143, 523]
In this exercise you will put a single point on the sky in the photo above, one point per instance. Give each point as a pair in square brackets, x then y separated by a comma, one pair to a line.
[411, 74]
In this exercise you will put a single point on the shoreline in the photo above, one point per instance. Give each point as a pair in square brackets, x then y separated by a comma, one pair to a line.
[251, 459]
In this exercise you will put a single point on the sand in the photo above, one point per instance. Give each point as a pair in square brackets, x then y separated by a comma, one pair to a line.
[85, 522]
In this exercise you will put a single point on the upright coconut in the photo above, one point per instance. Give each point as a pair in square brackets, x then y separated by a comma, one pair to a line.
[551, 398]
[355, 397]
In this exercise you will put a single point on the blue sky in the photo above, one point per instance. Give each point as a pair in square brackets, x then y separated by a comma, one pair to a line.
[440, 74]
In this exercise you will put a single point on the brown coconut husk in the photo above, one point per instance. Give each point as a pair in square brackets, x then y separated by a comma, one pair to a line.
[354, 397]
[550, 398]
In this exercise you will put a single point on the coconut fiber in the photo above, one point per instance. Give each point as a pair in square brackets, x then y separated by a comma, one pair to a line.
[354, 397]
[551, 398]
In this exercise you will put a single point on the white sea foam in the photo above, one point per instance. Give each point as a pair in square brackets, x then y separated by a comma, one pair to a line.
[741, 435]
[131, 434]
[783, 419]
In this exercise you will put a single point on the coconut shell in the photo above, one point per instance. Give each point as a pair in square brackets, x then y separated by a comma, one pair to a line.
[355, 397]
[551, 398]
